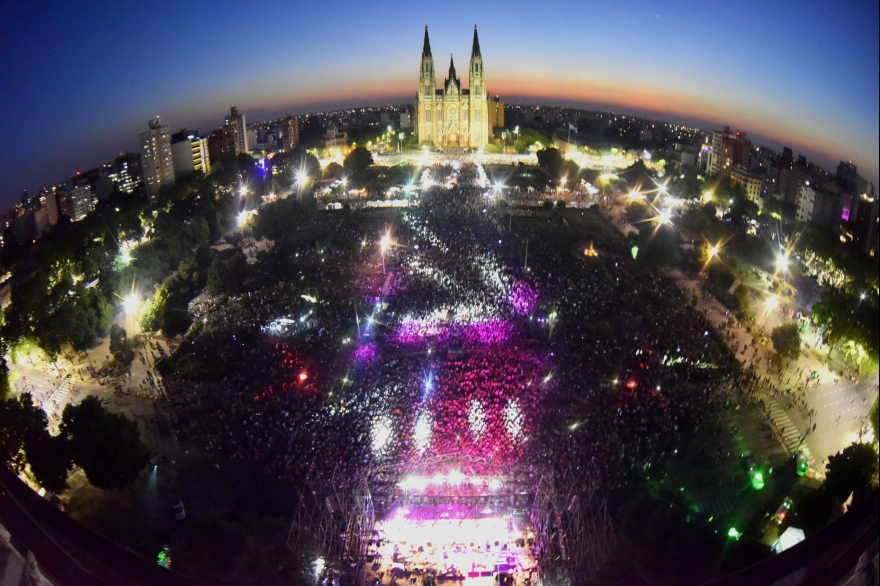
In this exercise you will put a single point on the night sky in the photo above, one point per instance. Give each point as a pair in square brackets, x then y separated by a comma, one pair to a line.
[80, 80]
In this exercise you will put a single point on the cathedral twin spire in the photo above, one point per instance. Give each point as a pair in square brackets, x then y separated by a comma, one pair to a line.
[448, 117]
[475, 50]
[428, 59]
[426, 49]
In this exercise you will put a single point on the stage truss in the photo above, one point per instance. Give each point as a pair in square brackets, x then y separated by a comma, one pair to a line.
[572, 528]
[334, 517]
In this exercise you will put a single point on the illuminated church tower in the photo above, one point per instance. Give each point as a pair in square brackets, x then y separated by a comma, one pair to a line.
[452, 117]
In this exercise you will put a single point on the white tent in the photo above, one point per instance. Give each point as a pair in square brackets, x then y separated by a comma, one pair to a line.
[790, 537]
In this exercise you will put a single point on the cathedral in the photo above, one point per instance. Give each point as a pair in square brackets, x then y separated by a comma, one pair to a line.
[452, 117]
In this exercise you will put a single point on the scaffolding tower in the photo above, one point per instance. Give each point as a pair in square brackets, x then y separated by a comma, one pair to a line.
[572, 527]
[335, 518]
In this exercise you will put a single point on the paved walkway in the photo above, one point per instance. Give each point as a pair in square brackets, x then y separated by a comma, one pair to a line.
[837, 407]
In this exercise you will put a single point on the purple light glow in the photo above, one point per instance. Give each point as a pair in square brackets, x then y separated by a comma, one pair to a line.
[492, 331]
[522, 297]
[366, 353]
[478, 440]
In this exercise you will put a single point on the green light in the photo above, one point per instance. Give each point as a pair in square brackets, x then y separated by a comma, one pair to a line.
[635, 251]
[126, 258]
[733, 533]
[757, 481]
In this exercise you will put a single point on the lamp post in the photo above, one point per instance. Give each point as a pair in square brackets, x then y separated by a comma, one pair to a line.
[383, 244]
[131, 305]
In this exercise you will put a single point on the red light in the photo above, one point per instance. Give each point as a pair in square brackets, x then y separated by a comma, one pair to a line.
[303, 376]
[631, 384]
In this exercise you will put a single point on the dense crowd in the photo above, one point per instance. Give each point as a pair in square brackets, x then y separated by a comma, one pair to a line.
[458, 357]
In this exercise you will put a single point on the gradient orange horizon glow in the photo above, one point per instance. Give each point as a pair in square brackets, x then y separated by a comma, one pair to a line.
[637, 100]
[803, 75]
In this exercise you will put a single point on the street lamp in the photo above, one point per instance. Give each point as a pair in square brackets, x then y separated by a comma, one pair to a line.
[383, 244]
[782, 263]
[131, 304]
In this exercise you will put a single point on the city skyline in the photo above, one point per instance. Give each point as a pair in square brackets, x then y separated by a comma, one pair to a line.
[83, 81]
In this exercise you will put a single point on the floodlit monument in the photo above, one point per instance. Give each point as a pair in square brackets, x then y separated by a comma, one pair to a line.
[452, 117]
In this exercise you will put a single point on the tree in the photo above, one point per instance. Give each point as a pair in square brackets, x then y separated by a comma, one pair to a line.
[852, 472]
[660, 246]
[5, 389]
[357, 160]
[570, 171]
[50, 460]
[107, 446]
[786, 341]
[636, 212]
[874, 419]
[529, 137]
[835, 311]
[151, 316]
[333, 170]
[550, 160]
[21, 422]
[719, 277]
[742, 296]
[637, 176]
[24, 439]
[120, 346]
[704, 253]
[228, 276]
[742, 211]
[11, 251]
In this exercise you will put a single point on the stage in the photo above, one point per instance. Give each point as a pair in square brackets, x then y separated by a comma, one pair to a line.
[466, 543]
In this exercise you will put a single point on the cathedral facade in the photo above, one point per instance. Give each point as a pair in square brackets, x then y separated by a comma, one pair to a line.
[452, 117]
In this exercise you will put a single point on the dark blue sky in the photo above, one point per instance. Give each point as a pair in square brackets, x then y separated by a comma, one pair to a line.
[80, 80]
